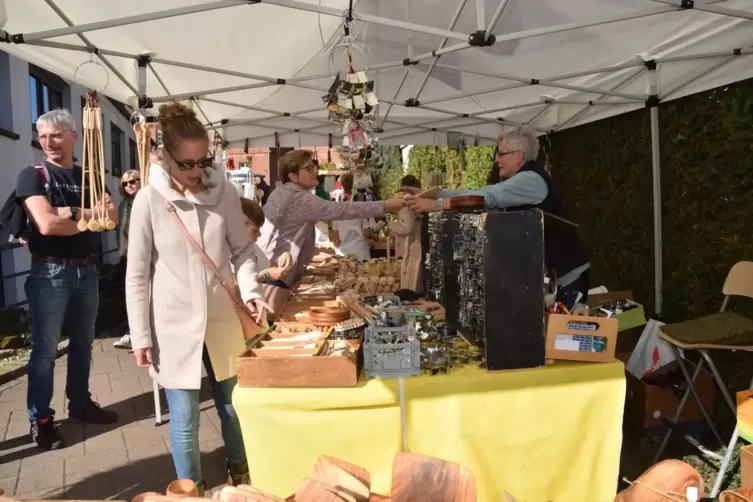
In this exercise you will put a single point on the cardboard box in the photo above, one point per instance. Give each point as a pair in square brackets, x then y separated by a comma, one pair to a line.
[646, 404]
[581, 338]
[629, 319]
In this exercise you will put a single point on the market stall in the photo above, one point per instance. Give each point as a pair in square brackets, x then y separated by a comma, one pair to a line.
[547, 425]
[520, 432]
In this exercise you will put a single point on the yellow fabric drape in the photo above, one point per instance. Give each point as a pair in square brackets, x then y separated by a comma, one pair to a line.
[549, 434]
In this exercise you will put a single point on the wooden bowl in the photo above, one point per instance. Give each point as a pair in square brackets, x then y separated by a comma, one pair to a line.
[466, 203]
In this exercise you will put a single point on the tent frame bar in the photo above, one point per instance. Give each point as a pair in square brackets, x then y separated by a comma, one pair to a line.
[427, 74]
[125, 21]
[368, 18]
[625, 81]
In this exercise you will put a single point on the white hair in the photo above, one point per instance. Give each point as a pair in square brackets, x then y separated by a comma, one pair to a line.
[522, 140]
[61, 117]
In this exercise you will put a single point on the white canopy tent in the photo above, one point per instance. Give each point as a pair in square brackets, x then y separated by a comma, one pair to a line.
[256, 70]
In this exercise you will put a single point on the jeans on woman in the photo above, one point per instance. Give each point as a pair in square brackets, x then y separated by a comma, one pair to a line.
[184, 425]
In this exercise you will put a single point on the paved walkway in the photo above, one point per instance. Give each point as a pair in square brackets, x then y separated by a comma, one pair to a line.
[100, 462]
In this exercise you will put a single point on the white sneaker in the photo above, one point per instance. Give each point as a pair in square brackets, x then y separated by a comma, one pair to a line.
[124, 342]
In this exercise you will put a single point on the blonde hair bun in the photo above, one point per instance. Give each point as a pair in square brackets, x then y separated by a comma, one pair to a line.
[171, 113]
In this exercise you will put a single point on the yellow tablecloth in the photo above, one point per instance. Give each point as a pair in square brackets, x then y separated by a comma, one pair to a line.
[549, 434]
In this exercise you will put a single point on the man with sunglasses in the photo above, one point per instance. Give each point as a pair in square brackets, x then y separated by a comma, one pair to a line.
[62, 286]
[524, 184]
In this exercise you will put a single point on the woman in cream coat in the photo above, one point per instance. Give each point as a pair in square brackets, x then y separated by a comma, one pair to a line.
[178, 312]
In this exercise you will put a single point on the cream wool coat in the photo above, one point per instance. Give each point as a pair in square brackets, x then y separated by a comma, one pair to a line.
[175, 303]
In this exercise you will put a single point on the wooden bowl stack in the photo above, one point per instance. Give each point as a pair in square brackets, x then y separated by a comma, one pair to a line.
[328, 316]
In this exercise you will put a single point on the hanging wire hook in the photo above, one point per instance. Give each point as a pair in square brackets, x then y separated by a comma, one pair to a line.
[95, 63]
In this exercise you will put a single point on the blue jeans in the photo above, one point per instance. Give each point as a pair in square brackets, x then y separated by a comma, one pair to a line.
[62, 300]
[184, 425]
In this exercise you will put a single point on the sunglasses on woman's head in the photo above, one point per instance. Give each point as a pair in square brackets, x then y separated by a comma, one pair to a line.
[187, 165]
[130, 182]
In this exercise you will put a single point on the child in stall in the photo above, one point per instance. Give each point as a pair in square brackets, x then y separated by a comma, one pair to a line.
[254, 220]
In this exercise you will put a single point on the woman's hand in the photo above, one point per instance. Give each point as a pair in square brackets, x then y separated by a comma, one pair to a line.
[394, 205]
[257, 308]
[143, 357]
[277, 273]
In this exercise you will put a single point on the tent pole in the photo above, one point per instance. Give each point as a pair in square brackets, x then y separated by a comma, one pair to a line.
[495, 17]
[368, 18]
[653, 103]
[480, 22]
[125, 21]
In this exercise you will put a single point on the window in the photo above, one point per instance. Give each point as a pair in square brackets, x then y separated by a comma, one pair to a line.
[6, 103]
[133, 162]
[116, 158]
[45, 93]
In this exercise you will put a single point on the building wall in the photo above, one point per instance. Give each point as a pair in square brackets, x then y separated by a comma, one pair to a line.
[15, 154]
[259, 158]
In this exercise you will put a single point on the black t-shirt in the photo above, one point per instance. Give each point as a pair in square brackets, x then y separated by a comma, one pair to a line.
[65, 191]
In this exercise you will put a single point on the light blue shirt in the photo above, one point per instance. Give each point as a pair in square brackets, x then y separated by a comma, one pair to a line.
[523, 189]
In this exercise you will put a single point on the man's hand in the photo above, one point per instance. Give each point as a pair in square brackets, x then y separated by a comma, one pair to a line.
[419, 205]
[257, 308]
[394, 205]
[143, 357]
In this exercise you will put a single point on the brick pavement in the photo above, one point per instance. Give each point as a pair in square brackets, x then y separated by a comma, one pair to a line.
[100, 462]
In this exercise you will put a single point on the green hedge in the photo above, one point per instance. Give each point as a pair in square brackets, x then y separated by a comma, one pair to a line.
[604, 171]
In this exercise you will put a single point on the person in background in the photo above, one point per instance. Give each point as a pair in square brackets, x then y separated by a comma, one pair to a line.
[130, 184]
[526, 184]
[292, 210]
[254, 215]
[320, 191]
[408, 246]
[179, 313]
[321, 228]
[350, 237]
[63, 284]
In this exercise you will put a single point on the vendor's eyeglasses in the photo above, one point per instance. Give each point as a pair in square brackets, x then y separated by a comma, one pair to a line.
[187, 165]
[310, 168]
[130, 182]
[502, 154]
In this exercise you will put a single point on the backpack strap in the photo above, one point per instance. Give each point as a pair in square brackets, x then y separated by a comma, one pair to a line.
[47, 181]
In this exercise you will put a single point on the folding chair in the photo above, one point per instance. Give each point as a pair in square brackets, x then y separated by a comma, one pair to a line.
[721, 331]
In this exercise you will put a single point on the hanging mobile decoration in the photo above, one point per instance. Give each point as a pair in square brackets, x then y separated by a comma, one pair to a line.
[94, 167]
[351, 101]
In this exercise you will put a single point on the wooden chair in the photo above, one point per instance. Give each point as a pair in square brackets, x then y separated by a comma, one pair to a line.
[720, 331]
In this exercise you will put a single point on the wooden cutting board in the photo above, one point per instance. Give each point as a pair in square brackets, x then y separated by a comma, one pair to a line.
[418, 477]
[324, 463]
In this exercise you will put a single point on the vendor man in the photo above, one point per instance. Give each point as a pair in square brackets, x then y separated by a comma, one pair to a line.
[525, 184]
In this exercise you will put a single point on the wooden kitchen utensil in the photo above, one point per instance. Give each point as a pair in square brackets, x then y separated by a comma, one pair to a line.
[419, 477]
